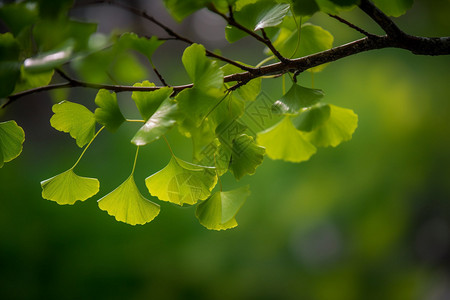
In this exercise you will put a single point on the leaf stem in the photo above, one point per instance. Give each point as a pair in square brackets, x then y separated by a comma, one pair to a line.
[85, 148]
[168, 145]
[217, 173]
[299, 30]
[135, 121]
[135, 160]
[265, 60]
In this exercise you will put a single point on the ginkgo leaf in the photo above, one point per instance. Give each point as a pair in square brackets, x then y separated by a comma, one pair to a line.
[248, 91]
[128, 205]
[68, 187]
[219, 211]
[338, 128]
[12, 137]
[141, 44]
[47, 61]
[181, 182]
[204, 73]
[272, 17]
[108, 112]
[312, 117]
[159, 123]
[394, 8]
[75, 119]
[283, 141]
[296, 98]
[246, 155]
[148, 102]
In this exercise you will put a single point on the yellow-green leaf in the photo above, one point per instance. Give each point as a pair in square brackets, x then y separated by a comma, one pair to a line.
[108, 112]
[12, 137]
[148, 102]
[128, 205]
[246, 155]
[68, 187]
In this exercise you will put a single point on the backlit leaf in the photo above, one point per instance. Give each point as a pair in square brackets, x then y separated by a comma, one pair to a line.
[159, 123]
[108, 112]
[128, 205]
[394, 8]
[32, 80]
[75, 119]
[338, 128]
[181, 182]
[180, 9]
[49, 60]
[312, 117]
[248, 91]
[141, 44]
[148, 102]
[12, 137]
[297, 98]
[219, 211]
[283, 141]
[272, 17]
[204, 73]
[246, 155]
[68, 187]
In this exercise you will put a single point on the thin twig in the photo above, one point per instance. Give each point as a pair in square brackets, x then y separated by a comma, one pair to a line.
[351, 25]
[381, 18]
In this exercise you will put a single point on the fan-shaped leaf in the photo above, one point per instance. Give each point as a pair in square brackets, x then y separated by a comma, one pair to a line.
[205, 73]
[12, 137]
[141, 44]
[338, 128]
[68, 187]
[160, 122]
[49, 60]
[219, 211]
[148, 102]
[108, 111]
[283, 141]
[75, 119]
[128, 205]
[181, 182]
[312, 117]
[246, 155]
[297, 98]
[273, 16]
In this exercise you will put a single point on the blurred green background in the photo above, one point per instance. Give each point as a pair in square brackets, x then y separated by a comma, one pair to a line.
[369, 219]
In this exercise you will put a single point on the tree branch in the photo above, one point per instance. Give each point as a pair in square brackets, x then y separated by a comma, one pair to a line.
[351, 25]
[381, 19]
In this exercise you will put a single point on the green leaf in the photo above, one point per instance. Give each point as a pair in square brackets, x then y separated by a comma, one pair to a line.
[219, 211]
[345, 3]
[47, 61]
[272, 17]
[180, 9]
[141, 44]
[68, 187]
[297, 98]
[9, 64]
[204, 73]
[312, 117]
[75, 119]
[283, 141]
[12, 137]
[18, 16]
[159, 123]
[30, 80]
[108, 112]
[128, 205]
[246, 155]
[305, 7]
[394, 8]
[338, 128]
[181, 182]
[248, 91]
[148, 102]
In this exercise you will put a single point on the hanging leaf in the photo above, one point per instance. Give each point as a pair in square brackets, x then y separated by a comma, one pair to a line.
[141, 44]
[49, 60]
[32, 80]
[108, 112]
[148, 102]
[68, 187]
[75, 119]
[283, 141]
[312, 117]
[160, 122]
[9, 64]
[18, 16]
[204, 73]
[12, 137]
[128, 205]
[272, 17]
[338, 128]
[219, 211]
[246, 155]
[394, 8]
[297, 98]
[305, 7]
[181, 182]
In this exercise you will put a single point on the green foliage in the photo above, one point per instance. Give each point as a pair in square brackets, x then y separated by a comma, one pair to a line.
[296, 98]
[12, 137]
[9, 65]
[108, 112]
[394, 8]
[147, 103]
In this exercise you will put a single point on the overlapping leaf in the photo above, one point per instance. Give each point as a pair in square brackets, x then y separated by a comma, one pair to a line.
[108, 112]
[68, 187]
[128, 205]
[160, 122]
[296, 98]
[219, 211]
[283, 141]
[394, 8]
[339, 127]
[312, 117]
[248, 91]
[148, 102]
[246, 155]
[75, 119]
[204, 73]
[12, 137]
[181, 182]
[179, 9]
[141, 44]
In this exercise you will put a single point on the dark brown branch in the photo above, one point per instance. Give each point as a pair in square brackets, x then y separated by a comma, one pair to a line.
[169, 31]
[381, 19]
